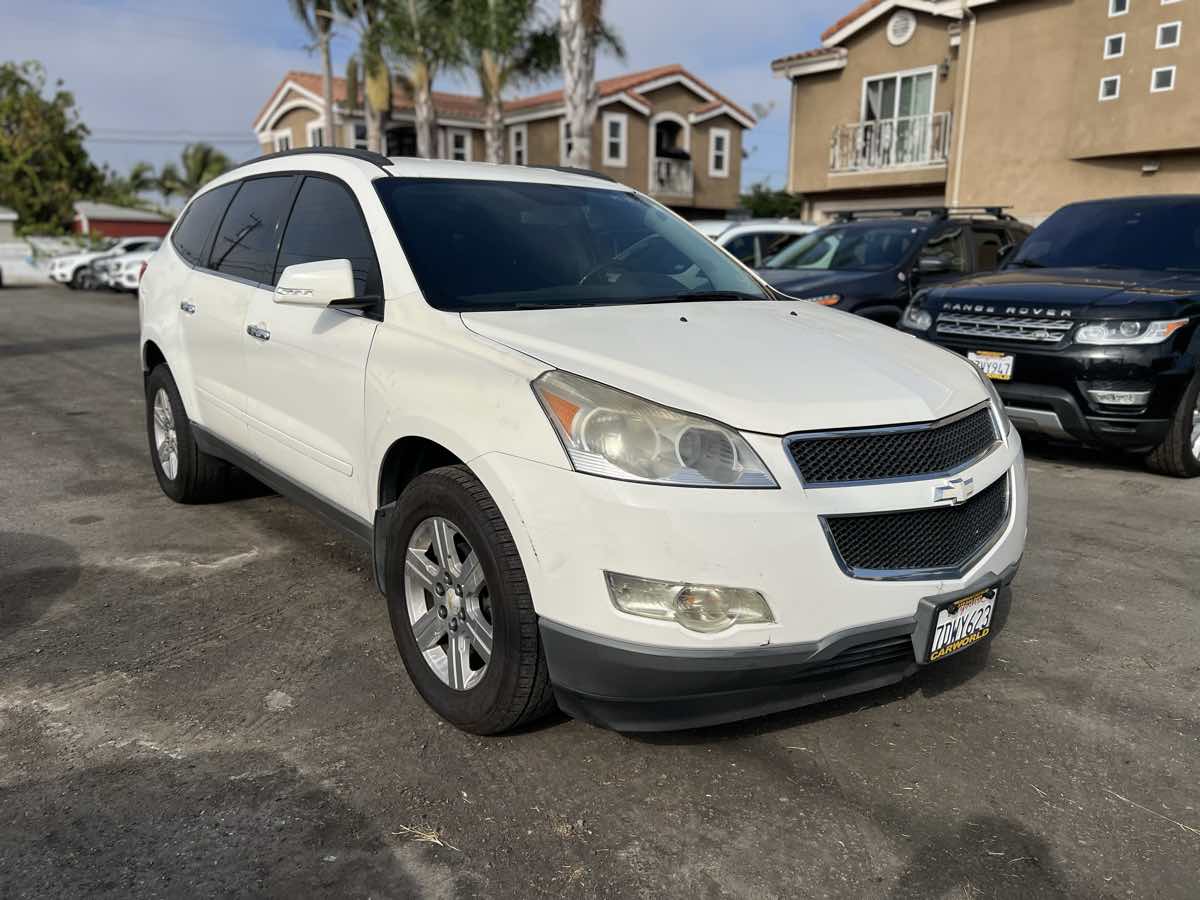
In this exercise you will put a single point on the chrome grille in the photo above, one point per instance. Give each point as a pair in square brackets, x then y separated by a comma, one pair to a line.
[1009, 328]
[903, 451]
[936, 541]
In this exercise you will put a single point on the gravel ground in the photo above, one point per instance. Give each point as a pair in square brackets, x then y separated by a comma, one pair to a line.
[206, 701]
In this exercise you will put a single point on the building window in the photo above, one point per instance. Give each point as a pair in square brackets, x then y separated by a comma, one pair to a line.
[718, 153]
[1110, 87]
[1118, 7]
[1168, 35]
[616, 129]
[565, 144]
[460, 144]
[1114, 46]
[283, 140]
[1162, 79]
[316, 135]
[360, 137]
[518, 142]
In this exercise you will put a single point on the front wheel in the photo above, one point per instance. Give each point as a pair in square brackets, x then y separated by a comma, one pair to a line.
[1179, 453]
[460, 606]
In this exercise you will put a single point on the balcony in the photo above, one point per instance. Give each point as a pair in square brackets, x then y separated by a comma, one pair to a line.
[886, 144]
[672, 178]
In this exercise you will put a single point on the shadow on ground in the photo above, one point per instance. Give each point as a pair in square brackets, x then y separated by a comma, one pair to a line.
[34, 570]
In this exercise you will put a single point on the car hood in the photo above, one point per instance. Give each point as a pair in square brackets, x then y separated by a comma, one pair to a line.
[74, 258]
[767, 366]
[1069, 291]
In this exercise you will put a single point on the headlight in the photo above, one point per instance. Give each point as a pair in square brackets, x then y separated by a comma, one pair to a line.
[1128, 332]
[824, 299]
[1002, 420]
[608, 432]
[697, 607]
[917, 318]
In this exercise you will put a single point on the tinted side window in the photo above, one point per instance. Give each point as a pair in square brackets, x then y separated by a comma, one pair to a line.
[191, 236]
[249, 234]
[742, 247]
[326, 224]
[989, 246]
[950, 247]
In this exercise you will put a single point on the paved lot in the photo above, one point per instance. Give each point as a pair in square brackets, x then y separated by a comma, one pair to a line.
[203, 701]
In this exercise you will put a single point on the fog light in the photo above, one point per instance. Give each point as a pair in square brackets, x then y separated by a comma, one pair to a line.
[1120, 398]
[697, 607]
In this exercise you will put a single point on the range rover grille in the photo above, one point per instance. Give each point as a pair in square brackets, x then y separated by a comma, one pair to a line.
[906, 451]
[1009, 328]
[941, 539]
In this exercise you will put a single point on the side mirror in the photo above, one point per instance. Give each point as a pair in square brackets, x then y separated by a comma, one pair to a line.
[932, 265]
[320, 283]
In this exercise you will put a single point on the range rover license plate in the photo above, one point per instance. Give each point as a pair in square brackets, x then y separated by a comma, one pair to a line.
[962, 623]
[997, 366]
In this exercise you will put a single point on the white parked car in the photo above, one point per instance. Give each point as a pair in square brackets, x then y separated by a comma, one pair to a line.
[75, 269]
[125, 272]
[756, 241]
[596, 461]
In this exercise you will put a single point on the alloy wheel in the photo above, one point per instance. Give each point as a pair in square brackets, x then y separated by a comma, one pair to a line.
[449, 605]
[166, 443]
[1196, 429]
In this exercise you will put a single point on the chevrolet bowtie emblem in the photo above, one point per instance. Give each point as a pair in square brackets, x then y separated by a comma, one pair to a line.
[956, 490]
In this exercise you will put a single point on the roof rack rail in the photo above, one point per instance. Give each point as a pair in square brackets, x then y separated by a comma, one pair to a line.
[575, 170]
[935, 212]
[365, 155]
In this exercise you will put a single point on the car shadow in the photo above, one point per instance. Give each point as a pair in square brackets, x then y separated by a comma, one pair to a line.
[1044, 450]
[35, 570]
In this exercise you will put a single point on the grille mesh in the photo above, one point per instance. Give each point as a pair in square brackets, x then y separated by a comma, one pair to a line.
[941, 537]
[868, 456]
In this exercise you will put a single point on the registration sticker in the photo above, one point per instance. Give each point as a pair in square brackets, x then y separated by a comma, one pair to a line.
[963, 622]
[997, 366]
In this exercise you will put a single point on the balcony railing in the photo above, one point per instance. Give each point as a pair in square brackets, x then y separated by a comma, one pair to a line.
[672, 177]
[890, 143]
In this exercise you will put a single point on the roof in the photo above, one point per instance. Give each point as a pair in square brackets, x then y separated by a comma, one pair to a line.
[7, 215]
[90, 209]
[861, 10]
[448, 105]
[628, 84]
[815, 53]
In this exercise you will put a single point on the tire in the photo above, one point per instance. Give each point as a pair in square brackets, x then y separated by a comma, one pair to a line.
[513, 687]
[1175, 456]
[197, 477]
[81, 279]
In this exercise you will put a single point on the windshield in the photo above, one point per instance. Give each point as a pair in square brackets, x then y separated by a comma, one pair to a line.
[512, 245]
[1121, 234]
[867, 247]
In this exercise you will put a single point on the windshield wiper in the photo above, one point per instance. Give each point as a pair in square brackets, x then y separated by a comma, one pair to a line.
[699, 297]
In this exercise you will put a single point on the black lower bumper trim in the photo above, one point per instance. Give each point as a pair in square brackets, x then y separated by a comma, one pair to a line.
[1054, 412]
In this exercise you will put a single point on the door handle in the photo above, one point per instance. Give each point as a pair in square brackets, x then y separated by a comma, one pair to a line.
[188, 307]
[258, 332]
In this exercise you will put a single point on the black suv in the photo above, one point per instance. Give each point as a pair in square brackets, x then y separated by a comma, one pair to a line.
[871, 261]
[1090, 330]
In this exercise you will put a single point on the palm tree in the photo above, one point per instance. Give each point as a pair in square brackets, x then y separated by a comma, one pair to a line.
[199, 164]
[367, 17]
[506, 46]
[423, 34]
[317, 17]
[581, 30]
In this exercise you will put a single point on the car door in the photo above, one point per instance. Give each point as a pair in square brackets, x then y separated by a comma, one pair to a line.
[218, 295]
[307, 365]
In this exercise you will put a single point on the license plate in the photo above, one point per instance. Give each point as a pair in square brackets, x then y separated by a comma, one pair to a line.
[962, 623]
[997, 366]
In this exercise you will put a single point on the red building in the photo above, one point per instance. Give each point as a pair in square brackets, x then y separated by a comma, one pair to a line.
[108, 220]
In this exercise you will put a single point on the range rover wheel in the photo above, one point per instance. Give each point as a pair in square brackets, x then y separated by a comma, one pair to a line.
[1179, 453]
[185, 473]
[460, 606]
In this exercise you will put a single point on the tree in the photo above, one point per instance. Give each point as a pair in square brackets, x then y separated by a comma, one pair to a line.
[367, 17]
[317, 18]
[506, 45]
[581, 31]
[424, 36]
[198, 165]
[765, 203]
[127, 190]
[44, 167]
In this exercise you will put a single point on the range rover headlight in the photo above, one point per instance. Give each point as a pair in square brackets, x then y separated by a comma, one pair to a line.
[1128, 332]
[916, 318]
[611, 433]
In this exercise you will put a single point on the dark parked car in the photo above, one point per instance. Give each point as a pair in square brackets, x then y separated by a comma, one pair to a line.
[1090, 331]
[872, 261]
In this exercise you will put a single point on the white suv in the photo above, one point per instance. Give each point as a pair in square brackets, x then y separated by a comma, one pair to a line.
[596, 460]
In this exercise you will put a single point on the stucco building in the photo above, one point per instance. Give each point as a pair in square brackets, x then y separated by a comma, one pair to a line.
[663, 131]
[1028, 103]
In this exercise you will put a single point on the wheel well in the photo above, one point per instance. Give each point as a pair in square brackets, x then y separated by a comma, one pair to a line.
[405, 460]
[152, 356]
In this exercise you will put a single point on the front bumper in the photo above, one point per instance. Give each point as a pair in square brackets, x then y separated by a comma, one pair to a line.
[632, 687]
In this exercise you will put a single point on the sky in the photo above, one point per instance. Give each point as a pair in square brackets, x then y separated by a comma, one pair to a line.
[150, 76]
